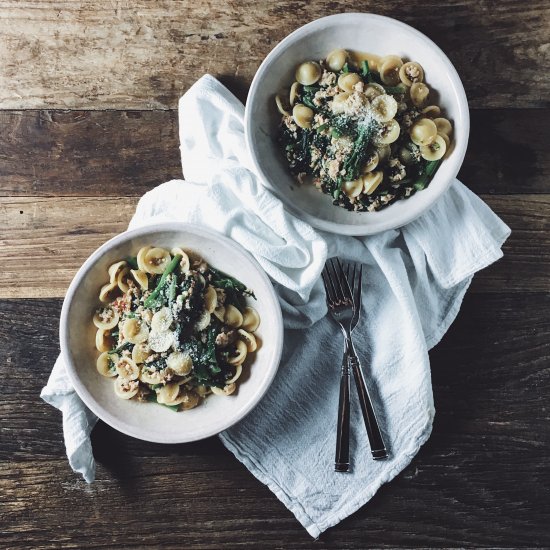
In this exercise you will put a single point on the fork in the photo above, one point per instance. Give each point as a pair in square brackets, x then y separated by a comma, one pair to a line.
[344, 309]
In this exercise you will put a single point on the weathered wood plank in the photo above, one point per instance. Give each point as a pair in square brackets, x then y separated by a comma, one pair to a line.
[114, 153]
[481, 480]
[141, 55]
[54, 236]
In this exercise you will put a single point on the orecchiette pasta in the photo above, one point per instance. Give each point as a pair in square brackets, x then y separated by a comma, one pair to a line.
[419, 94]
[308, 73]
[423, 132]
[336, 59]
[174, 330]
[372, 180]
[410, 73]
[389, 69]
[302, 115]
[353, 188]
[294, 93]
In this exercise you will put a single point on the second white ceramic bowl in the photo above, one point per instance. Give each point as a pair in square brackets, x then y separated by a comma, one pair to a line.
[367, 33]
[150, 421]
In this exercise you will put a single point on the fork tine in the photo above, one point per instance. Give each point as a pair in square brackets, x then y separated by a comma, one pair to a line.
[343, 282]
[336, 280]
[328, 287]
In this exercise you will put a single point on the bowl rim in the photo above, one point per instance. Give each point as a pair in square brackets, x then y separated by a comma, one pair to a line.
[346, 228]
[276, 332]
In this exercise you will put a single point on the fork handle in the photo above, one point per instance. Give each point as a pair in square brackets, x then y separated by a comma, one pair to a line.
[341, 461]
[377, 447]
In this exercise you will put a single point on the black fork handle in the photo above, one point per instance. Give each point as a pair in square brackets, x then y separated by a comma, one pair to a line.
[341, 460]
[377, 447]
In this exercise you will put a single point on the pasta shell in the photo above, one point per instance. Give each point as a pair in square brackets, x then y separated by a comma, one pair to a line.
[308, 73]
[280, 107]
[203, 321]
[249, 339]
[302, 115]
[162, 320]
[338, 104]
[353, 188]
[446, 139]
[423, 132]
[372, 180]
[431, 111]
[106, 318]
[443, 126]
[189, 400]
[210, 299]
[106, 364]
[236, 376]
[384, 108]
[109, 292]
[202, 390]
[240, 353]
[435, 150]
[122, 279]
[141, 278]
[219, 313]
[180, 363]
[135, 331]
[336, 59]
[114, 269]
[251, 319]
[185, 262]
[294, 93]
[389, 132]
[126, 368]
[168, 394]
[226, 390]
[161, 341]
[103, 340]
[389, 69]
[372, 163]
[419, 93]
[140, 352]
[140, 258]
[149, 376]
[233, 317]
[156, 260]
[373, 90]
[126, 389]
[347, 81]
[411, 72]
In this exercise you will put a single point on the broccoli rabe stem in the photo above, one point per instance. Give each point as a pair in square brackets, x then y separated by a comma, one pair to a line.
[169, 269]
[354, 162]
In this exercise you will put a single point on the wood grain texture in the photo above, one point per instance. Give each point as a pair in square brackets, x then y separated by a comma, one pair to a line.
[481, 480]
[113, 153]
[142, 55]
[54, 236]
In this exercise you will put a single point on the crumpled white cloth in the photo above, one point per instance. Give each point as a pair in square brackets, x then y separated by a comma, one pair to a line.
[415, 279]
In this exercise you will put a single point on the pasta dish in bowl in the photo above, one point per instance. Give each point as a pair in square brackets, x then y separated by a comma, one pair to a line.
[357, 122]
[174, 315]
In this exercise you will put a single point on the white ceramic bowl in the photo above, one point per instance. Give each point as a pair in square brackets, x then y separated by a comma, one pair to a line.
[368, 33]
[150, 421]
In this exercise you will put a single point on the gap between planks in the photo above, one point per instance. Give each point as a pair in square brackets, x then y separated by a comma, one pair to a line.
[44, 241]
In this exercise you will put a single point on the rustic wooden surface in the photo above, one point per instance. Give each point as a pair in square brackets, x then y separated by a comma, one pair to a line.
[87, 98]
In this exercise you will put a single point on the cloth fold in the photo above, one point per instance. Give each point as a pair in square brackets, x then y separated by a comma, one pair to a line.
[415, 279]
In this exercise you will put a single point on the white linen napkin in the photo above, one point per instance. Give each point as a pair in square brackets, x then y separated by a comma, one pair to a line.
[415, 279]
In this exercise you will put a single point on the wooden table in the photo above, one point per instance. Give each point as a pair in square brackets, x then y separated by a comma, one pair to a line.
[88, 97]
